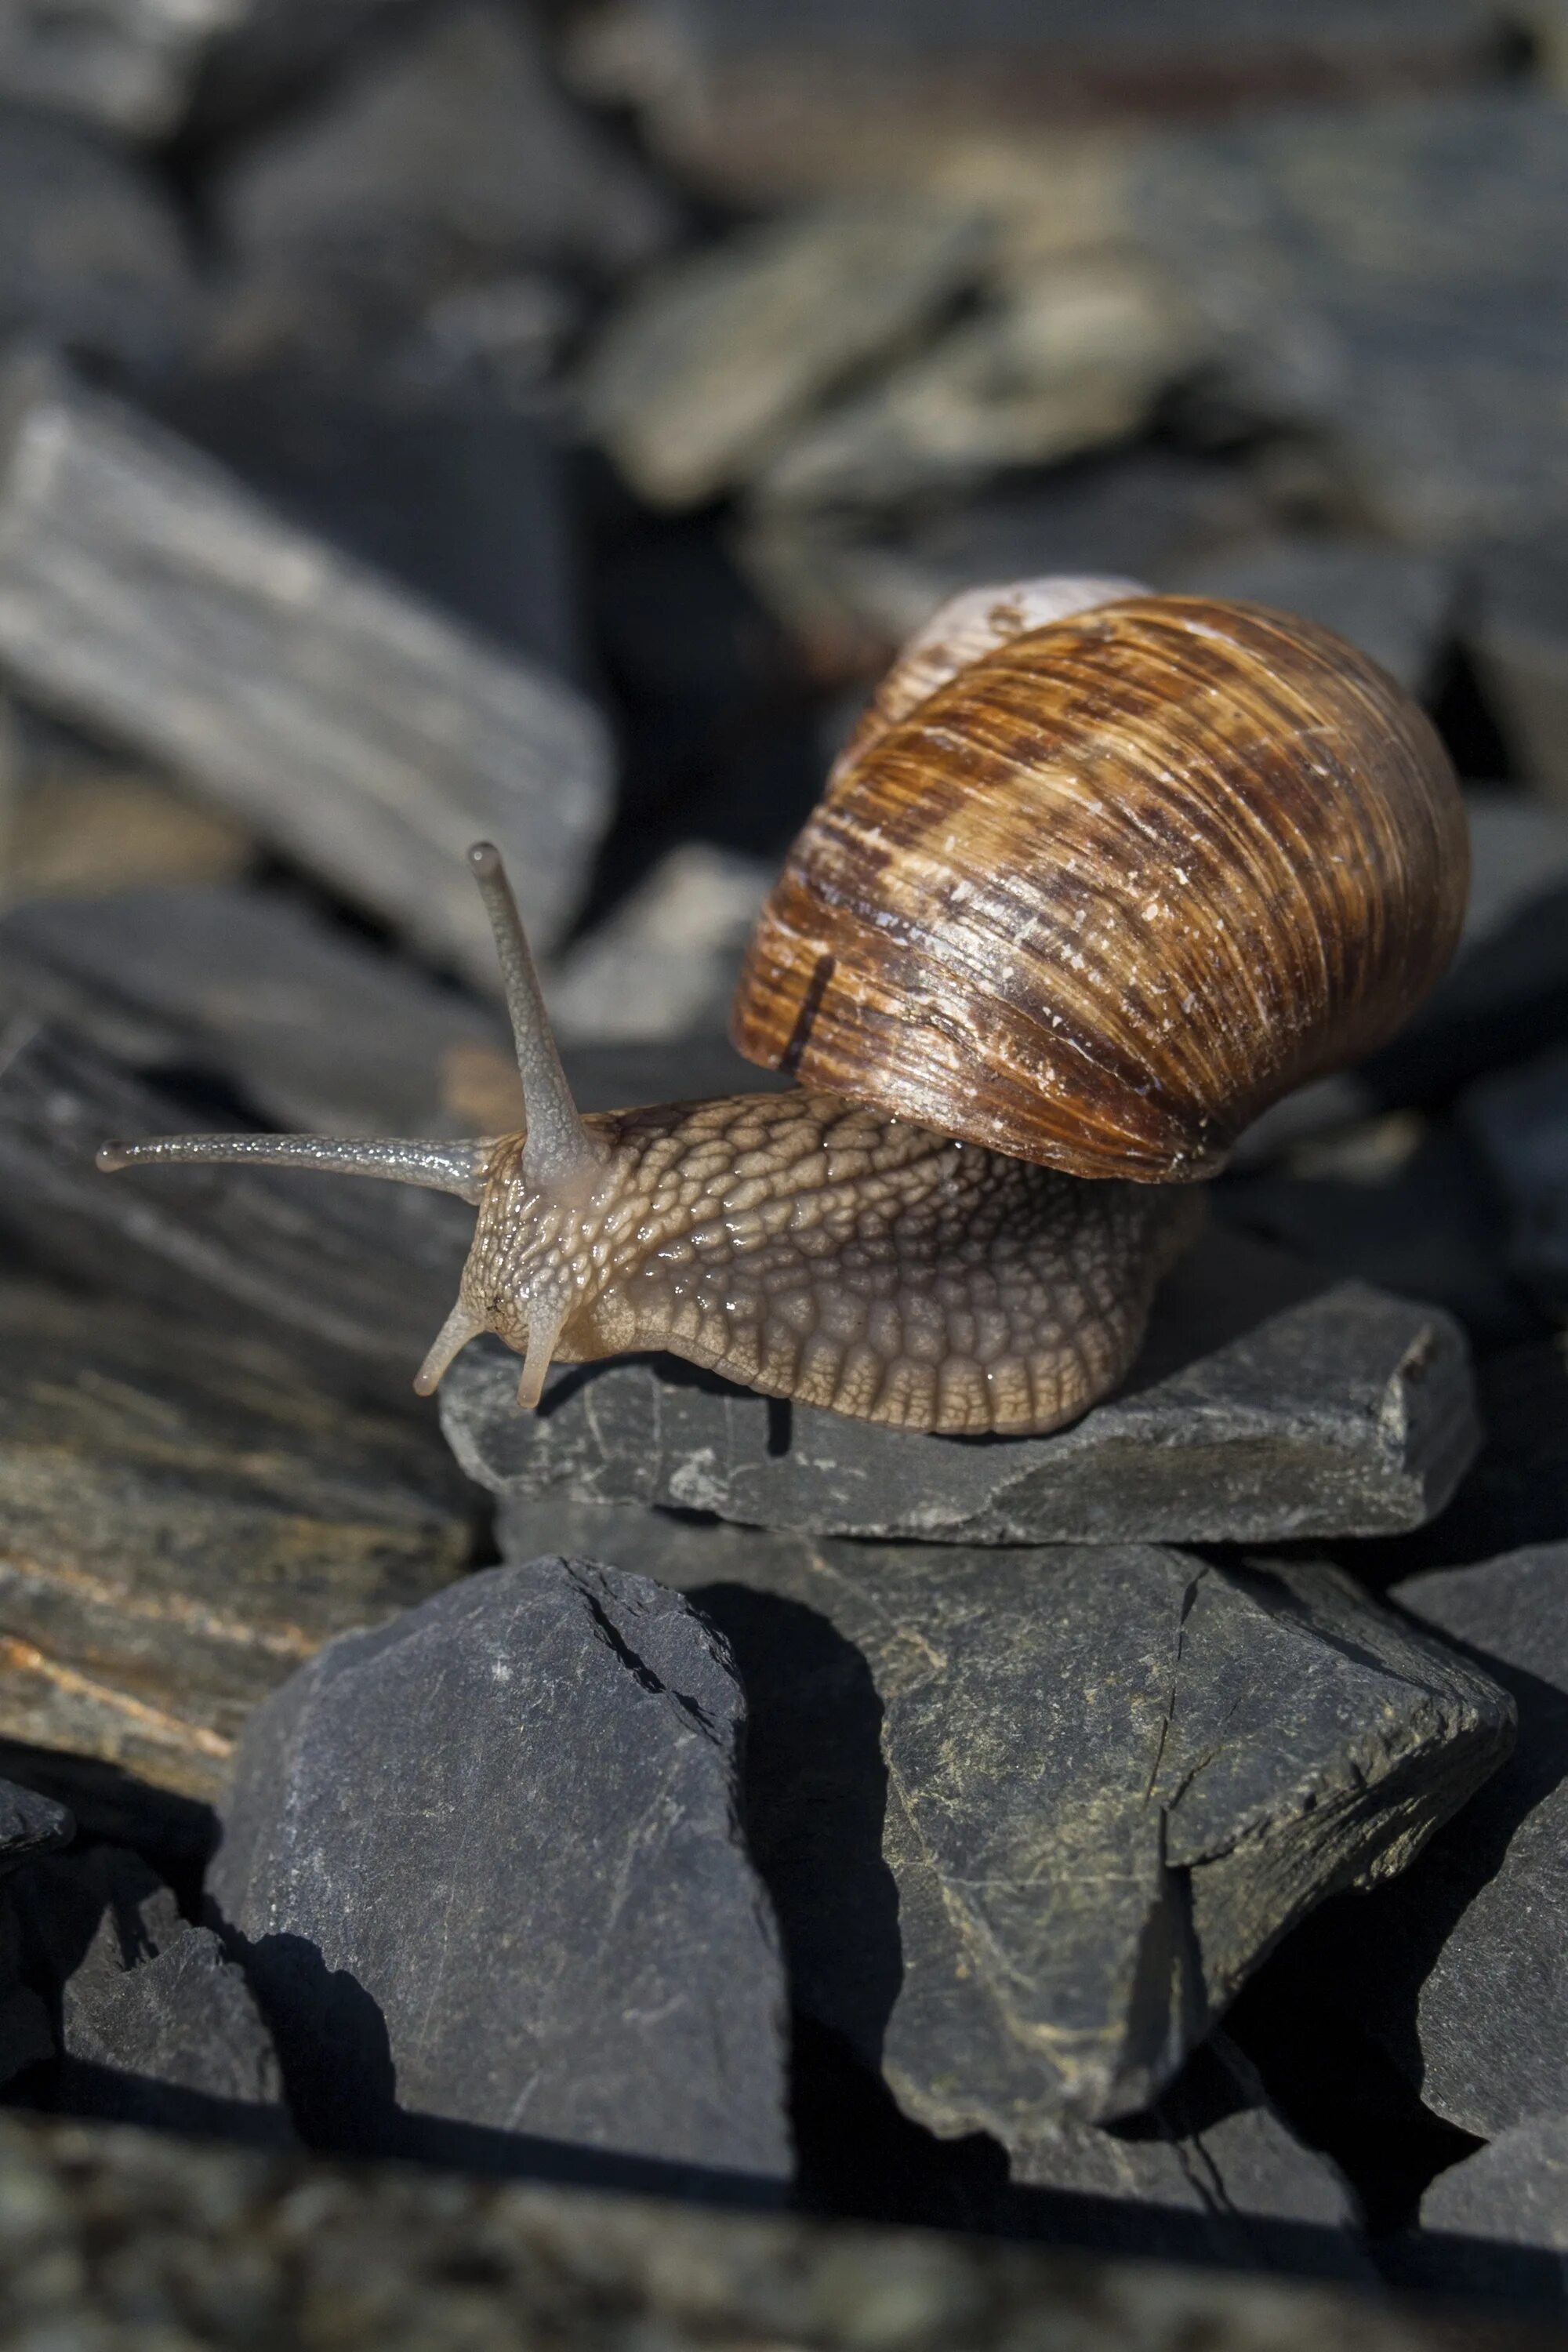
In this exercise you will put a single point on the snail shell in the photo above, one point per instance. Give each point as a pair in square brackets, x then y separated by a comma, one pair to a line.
[1101, 893]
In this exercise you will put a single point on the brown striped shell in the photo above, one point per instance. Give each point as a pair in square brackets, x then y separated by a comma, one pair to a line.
[1100, 897]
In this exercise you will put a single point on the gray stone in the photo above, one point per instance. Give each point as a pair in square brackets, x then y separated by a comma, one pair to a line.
[1518, 1123]
[1393, 278]
[92, 256]
[1213, 2167]
[1516, 1490]
[1069, 358]
[176, 2041]
[1030, 1818]
[183, 1519]
[147, 593]
[1396, 604]
[128, 65]
[699, 375]
[351, 1279]
[87, 1918]
[29, 1825]
[449, 156]
[1467, 1973]
[1267, 1402]
[314, 1028]
[486, 1861]
[1511, 2196]
[97, 2227]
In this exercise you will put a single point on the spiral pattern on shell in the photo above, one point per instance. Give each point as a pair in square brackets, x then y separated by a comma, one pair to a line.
[1104, 894]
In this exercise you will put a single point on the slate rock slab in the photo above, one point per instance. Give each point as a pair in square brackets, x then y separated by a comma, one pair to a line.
[29, 1825]
[182, 1522]
[1029, 1818]
[1269, 1403]
[697, 376]
[310, 1026]
[486, 1862]
[351, 1279]
[1467, 1959]
[176, 2041]
[1496, 2223]
[1212, 2168]
[146, 593]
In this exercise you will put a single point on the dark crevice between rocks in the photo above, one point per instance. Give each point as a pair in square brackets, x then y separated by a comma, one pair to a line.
[1334, 2081]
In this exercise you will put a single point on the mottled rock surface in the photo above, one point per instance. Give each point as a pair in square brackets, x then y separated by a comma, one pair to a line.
[182, 1524]
[1030, 1818]
[125, 65]
[1267, 1402]
[487, 1873]
[389, 2260]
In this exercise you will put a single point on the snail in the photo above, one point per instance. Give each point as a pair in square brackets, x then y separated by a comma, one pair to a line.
[1101, 873]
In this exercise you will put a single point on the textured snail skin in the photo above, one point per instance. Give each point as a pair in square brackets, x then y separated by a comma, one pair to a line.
[1114, 886]
[812, 1249]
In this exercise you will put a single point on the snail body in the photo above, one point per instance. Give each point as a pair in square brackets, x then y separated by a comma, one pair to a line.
[1035, 962]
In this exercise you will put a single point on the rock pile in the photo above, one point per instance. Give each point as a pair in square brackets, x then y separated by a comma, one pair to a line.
[542, 423]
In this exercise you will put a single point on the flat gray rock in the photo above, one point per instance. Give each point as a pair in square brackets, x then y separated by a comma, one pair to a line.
[1394, 603]
[178, 2041]
[1270, 1401]
[1496, 2224]
[311, 1026]
[1469, 1979]
[1212, 2168]
[1029, 1818]
[29, 1825]
[488, 1873]
[1515, 2191]
[353, 1279]
[145, 593]
[694, 380]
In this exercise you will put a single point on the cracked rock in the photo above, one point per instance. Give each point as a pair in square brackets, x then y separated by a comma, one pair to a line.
[1029, 1818]
[1270, 1401]
[487, 1874]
